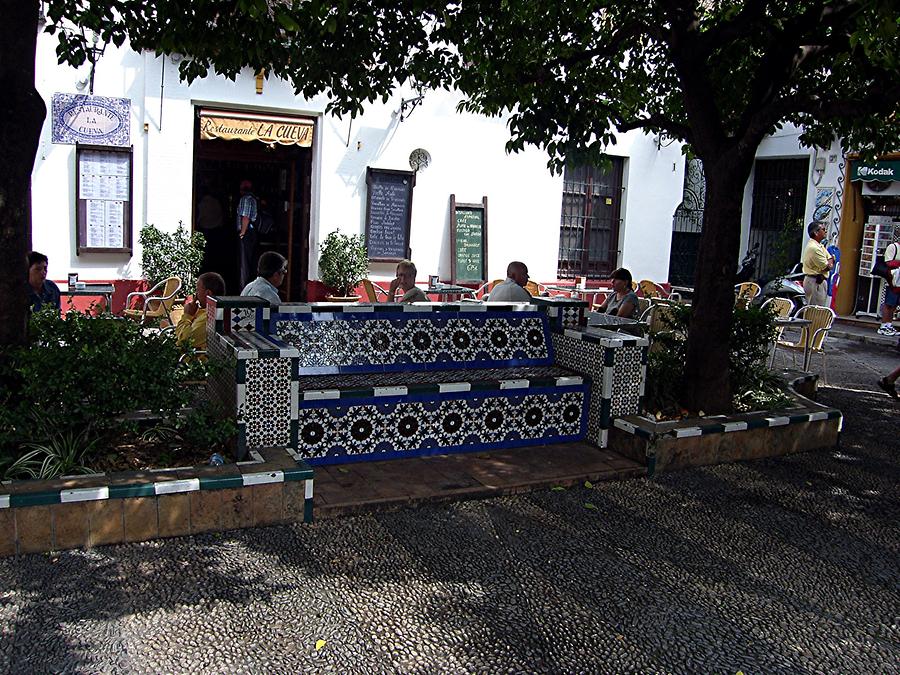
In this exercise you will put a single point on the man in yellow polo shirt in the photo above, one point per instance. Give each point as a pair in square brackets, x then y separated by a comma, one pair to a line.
[191, 328]
[816, 264]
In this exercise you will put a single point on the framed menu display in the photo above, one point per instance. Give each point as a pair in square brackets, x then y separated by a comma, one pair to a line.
[103, 192]
[468, 241]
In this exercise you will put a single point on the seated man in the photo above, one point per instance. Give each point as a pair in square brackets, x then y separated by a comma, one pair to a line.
[513, 288]
[191, 328]
[41, 291]
[406, 282]
[272, 271]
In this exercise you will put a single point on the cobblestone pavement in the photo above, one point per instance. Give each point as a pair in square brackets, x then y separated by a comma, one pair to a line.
[787, 565]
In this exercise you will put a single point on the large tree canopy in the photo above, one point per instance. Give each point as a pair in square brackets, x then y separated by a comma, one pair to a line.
[718, 75]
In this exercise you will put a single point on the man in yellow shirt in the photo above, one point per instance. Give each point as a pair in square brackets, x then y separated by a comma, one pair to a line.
[191, 328]
[816, 263]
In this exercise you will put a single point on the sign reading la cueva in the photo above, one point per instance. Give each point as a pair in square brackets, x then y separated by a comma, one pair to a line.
[250, 127]
[98, 120]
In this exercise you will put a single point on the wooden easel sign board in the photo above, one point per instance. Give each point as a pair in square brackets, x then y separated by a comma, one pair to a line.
[388, 213]
[468, 241]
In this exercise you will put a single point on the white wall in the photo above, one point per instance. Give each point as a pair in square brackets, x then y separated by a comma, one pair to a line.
[468, 159]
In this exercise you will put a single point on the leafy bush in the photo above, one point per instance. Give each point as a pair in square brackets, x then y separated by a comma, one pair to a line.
[754, 387]
[85, 371]
[343, 262]
[177, 254]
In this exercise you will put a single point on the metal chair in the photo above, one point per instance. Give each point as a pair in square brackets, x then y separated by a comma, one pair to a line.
[158, 301]
[372, 290]
[745, 293]
[821, 318]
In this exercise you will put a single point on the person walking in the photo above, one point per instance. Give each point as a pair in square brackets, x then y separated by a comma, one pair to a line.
[816, 263]
[247, 214]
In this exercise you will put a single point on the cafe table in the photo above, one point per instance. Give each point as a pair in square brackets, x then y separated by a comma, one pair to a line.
[449, 292]
[92, 290]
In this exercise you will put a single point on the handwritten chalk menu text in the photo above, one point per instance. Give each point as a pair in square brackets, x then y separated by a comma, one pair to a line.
[103, 176]
[388, 213]
[468, 241]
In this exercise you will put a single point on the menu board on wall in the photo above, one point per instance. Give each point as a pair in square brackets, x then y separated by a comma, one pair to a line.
[468, 241]
[388, 213]
[103, 179]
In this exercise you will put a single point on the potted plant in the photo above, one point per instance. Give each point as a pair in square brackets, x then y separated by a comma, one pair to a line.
[343, 263]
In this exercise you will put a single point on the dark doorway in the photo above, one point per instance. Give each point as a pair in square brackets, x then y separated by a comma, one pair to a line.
[779, 201]
[589, 225]
[687, 226]
[281, 177]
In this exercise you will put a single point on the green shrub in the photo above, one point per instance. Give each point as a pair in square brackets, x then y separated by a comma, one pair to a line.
[178, 254]
[85, 371]
[343, 262]
[753, 385]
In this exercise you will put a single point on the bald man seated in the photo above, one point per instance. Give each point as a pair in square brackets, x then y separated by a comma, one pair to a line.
[512, 289]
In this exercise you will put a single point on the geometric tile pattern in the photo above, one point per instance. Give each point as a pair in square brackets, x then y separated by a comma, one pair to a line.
[617, 368]
[264, 403]
[405, 342]
[412, 378]
[330, 433]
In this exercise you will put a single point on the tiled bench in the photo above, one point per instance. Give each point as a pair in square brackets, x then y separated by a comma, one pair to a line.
[340, 383]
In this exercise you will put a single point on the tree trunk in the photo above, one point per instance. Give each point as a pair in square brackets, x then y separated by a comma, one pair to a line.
[22, 112]
[706, 383]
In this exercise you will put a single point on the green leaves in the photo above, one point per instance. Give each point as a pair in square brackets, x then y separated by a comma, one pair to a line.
[343, 262]
[165, 254]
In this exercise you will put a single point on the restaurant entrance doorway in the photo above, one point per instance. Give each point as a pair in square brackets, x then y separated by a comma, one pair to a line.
[281, 179]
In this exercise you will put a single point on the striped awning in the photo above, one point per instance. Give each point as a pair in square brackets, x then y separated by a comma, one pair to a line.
[247, 126]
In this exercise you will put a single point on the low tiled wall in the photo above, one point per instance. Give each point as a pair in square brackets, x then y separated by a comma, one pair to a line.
[87, 511]
[668, 446]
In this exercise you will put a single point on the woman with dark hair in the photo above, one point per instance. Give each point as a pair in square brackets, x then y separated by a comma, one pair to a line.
[622, 301]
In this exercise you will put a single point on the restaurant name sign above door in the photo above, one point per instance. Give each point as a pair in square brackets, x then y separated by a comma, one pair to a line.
[268, 129]
[884, 172]
[96, 120]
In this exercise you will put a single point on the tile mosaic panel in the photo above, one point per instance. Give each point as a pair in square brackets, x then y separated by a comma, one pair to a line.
[626, 386]
[265, 402]
[586, 358]
[334, 433]
[414, 377]
[402, 342]
[221, 385]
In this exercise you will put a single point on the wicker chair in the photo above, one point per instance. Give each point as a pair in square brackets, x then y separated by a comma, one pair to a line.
[158, 301]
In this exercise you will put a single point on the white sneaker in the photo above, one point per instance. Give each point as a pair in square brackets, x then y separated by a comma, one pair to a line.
[890, 331]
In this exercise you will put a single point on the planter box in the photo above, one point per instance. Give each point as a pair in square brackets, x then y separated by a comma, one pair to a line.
[87, 511]
[668, 446]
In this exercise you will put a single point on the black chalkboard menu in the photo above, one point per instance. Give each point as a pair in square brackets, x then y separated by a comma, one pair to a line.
[468, 241]
[388, 213]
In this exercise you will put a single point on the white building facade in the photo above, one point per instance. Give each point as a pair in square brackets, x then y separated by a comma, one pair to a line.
[549, 221]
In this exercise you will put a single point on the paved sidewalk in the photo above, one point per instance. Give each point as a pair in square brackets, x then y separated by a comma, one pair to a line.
[862, 331]
[777, 566]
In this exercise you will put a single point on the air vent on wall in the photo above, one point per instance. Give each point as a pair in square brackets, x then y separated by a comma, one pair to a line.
[881, 189]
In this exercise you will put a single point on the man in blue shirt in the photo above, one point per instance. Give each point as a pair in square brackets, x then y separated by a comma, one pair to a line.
[246, 226]
[41, 291]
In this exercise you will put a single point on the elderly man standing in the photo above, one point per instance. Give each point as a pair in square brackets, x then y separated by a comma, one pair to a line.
[816, 263]
[512, 289]
[247, 216]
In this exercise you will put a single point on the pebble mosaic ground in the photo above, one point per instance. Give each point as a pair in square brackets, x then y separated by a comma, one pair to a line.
[787, 565]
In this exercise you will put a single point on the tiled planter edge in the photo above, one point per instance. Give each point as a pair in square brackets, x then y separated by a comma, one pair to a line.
[87, 511]
[668, 446]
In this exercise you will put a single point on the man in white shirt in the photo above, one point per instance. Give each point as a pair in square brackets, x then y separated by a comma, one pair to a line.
[513, 288]
[272, 271]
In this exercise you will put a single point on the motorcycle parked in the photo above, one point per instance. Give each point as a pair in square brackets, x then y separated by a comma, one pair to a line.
[748, 266]
[788, 286]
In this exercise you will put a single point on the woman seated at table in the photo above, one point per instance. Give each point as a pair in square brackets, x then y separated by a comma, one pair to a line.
[622, 301]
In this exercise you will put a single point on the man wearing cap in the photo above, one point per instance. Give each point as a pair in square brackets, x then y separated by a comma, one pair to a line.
[816, 263]
[512, 289]
[246, 226]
